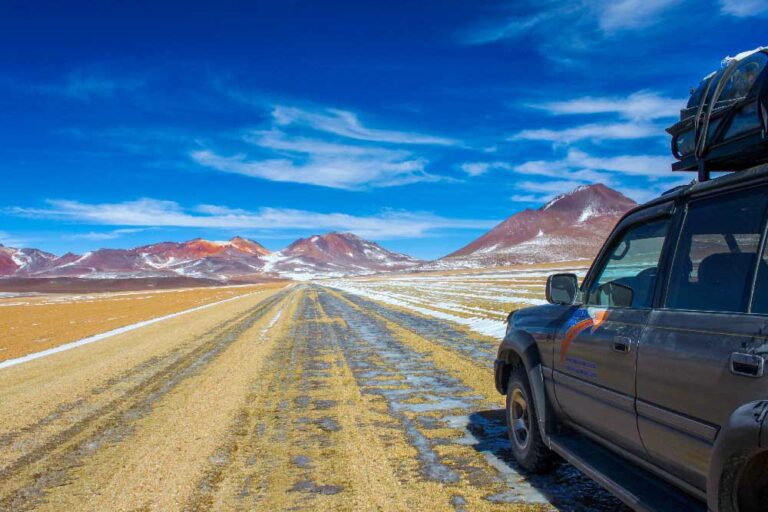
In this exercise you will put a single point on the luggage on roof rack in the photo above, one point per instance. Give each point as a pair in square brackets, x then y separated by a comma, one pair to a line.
[724, 125]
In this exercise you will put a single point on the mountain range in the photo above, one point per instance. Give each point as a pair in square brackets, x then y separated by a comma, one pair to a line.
[569, 227]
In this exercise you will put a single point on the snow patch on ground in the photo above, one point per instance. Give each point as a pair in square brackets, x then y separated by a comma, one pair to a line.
[479, 301]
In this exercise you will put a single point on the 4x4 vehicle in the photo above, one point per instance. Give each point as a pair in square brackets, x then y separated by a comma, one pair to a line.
[650, 375]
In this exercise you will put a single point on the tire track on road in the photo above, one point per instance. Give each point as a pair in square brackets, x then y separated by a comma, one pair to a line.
[24, 482]
[421, 396]
[481, 424]
[478, 349]
[308, 438]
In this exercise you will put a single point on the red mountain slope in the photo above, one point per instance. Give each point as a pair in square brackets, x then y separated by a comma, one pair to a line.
[24, 260]
[195, 258]
[571, 226]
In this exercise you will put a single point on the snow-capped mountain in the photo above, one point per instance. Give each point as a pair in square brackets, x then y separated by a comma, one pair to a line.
[571, 226]
[195, 258]
[335, 254]
[202, 258]
[24, 260]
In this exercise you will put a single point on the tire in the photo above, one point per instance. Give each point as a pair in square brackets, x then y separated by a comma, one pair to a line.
[522, 425]
[748, 487]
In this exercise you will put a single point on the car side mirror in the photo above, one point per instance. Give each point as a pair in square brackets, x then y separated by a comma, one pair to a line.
[562, 289]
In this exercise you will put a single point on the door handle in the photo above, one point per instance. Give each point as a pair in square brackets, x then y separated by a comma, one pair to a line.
[747, 365]
[622, 345]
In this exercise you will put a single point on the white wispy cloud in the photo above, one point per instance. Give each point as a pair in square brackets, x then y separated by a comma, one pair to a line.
[149, 212]
[549, 187]
[568, 25]
[542, 191]
[641, 105]
[580, 163]
[480, 168]
[633, 117]
[543, 168]
[630, 14]
[105, 235]
[278, 140]
[347, 124]
[10, 240]
[593, 131]
[539, 192]
[579, 168]
[744, 8]
[344, 171]
[83, 85]
[527, 198]
[328, 148]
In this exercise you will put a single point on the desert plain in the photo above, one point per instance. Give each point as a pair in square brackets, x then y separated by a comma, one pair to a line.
[371, 393]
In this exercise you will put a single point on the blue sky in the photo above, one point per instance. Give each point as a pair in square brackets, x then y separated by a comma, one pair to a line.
[416, 124]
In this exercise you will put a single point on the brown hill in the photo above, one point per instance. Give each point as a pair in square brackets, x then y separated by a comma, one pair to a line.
[571, 226]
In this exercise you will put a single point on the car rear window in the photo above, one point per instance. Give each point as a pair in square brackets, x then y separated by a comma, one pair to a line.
[717, 253]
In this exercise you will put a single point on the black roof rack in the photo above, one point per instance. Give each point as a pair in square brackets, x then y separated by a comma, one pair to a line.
[724, 126]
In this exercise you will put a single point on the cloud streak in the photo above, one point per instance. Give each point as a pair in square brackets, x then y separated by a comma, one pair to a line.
[328, 148]
[148, 212]
[573, 25]
[641, 105]
[744, 8]
[343, 171]
[630, 14]
[347, 124]
[576, 162]
[594, 131]
[105, 235]
[9, 240]
[82, 85]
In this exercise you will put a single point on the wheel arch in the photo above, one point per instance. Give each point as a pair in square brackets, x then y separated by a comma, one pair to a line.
[520, 348]
[738, 443]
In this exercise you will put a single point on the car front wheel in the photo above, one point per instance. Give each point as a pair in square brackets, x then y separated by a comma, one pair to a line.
[522, 426]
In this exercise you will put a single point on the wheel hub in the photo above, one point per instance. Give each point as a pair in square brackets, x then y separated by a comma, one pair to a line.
[519, 419]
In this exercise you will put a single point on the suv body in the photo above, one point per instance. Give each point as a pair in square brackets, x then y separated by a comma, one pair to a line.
[649, 375]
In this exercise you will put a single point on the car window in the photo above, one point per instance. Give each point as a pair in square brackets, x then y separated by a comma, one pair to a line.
[628, 275]
[717, 253]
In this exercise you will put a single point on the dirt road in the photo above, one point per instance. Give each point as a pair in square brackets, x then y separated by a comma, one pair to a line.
[301, 398]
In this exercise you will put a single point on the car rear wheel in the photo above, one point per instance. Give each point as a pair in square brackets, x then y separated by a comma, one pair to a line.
[752, 488]
[522, 425]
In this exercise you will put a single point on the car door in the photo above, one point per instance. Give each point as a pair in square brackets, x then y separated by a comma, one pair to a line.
[687, 382]
[596, 349]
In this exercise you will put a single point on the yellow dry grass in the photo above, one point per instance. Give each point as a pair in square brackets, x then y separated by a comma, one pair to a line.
[32, 324]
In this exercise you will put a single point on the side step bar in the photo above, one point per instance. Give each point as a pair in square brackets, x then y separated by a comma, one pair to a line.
[633, 485]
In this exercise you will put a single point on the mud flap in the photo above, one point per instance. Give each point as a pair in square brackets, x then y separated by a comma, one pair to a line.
[536, 379]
